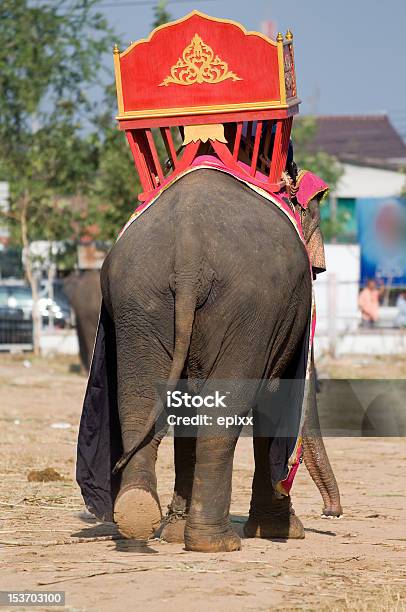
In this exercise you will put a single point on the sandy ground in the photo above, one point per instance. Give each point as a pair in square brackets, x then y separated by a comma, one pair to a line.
[47, 543]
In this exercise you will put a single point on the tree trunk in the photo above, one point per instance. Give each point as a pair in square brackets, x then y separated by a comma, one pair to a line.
[29, 272]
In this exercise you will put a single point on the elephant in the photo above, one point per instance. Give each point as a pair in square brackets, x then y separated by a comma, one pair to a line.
[84, 294]
[211, 283]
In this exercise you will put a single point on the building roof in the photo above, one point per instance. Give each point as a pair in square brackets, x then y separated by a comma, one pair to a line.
[368, 140]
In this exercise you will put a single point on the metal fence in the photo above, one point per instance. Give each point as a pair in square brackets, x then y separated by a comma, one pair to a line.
[16, 330]
[339, 326]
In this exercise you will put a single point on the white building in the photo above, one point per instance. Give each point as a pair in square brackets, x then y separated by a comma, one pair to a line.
[369, 182]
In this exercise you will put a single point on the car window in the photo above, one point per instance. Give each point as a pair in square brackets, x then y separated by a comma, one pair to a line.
[21, 294]
[3, 296]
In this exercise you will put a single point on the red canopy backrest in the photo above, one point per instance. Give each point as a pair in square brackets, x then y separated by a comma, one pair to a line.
[204, 72]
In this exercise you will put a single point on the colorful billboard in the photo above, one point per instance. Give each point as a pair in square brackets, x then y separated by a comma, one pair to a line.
[382, 237]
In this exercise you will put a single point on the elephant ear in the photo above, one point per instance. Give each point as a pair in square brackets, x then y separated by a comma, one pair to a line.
[315, 247]
[311, 190]
[314, 237]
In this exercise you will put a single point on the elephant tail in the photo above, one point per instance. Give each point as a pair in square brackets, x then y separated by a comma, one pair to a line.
[185, 306]
[191, 282]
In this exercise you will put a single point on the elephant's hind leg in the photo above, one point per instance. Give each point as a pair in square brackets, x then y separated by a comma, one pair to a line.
[175, 520]
[208, 527]
[141, 367]
[137, 512]
[271, 516]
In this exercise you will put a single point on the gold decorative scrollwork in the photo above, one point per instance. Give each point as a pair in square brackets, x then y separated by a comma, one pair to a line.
[289, 65]
[198, 64]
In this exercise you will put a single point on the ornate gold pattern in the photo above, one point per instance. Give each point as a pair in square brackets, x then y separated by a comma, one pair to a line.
[289, 67]
[198, 64]
[214, 131]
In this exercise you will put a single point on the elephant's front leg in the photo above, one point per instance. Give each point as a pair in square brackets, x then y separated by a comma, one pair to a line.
[271, 515]
[185, 458]
[208, 527]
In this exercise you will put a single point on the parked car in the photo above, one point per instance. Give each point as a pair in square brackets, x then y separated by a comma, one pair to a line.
[17, 295]
[59, 305]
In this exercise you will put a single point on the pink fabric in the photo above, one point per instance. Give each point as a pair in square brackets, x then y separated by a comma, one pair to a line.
[310, 185]
[284, 486]
[260, 180]
[314, 319]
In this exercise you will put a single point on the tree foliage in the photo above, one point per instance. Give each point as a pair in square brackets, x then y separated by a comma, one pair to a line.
[49, 60]
[115, 183]
[321, 163]
[60, 147]
[161, 14]
[48, 63]
[113, 196]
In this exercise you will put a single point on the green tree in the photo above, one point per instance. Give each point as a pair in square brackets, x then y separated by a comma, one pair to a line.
[161, 14]
[321, 163]
[50, 57]
[115, 183]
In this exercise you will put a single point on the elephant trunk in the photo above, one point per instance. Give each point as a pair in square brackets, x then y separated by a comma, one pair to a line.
[320, 470]
[315, 456]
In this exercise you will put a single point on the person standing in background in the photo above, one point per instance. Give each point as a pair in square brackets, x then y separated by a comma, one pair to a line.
[401, 306]
[368, 303]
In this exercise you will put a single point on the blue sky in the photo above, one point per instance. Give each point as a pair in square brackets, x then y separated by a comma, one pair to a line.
[350, 54]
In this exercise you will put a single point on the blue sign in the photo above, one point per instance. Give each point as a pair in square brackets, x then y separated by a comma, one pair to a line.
[382, 237]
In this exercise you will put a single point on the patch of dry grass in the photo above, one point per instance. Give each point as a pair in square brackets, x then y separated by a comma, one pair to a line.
[363, 366]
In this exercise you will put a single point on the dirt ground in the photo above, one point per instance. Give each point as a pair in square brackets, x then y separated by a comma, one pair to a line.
[47, 542]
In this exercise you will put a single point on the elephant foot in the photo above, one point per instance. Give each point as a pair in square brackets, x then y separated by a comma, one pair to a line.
[199, 541]
[291, 529]
[278, 521]
[137, 513]
[173, 530]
